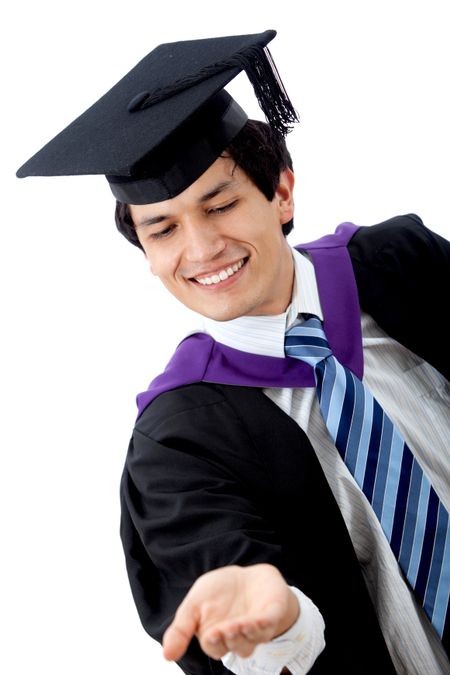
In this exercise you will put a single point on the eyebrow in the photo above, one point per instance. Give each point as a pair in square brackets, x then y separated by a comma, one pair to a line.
[151, 221]
[218, 189]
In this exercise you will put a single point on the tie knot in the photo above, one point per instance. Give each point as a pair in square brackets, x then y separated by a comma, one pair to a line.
[307, 342]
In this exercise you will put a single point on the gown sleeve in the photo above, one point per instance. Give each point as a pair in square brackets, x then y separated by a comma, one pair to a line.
[191, 503]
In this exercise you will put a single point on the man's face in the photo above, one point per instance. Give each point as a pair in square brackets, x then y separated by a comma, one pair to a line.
[218, 246]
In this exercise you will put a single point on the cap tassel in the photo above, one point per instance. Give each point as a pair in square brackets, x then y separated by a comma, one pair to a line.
[269, 89]
[262, 73]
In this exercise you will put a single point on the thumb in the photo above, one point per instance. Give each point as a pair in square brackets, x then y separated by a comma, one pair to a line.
[178, 635]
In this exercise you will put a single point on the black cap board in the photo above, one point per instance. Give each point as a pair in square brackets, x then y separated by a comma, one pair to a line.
[163, 124]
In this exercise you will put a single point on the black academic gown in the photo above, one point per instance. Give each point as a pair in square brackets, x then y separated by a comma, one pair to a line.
[218, 474]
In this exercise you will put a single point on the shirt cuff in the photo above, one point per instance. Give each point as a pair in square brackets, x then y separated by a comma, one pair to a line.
[296, 649]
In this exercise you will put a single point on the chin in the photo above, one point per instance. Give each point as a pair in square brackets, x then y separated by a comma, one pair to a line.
[222, 315]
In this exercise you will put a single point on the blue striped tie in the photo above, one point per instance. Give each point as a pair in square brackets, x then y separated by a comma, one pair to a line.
[413, 519]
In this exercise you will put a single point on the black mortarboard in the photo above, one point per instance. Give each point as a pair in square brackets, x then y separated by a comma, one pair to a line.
[163, 124]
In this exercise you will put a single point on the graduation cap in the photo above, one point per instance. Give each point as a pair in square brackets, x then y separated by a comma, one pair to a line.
[163, 124]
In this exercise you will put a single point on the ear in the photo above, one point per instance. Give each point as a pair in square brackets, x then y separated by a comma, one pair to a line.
[284, 195]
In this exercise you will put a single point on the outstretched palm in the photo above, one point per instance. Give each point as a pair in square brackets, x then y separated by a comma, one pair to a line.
[232, 609]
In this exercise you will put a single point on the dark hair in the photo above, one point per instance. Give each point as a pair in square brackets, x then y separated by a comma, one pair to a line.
[258, 150]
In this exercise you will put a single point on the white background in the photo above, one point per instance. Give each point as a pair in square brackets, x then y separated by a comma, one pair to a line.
[81, 318]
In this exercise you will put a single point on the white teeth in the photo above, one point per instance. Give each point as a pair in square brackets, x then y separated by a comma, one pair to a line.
[220, 276]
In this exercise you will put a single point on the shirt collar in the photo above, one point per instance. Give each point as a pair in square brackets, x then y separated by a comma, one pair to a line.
[265, 334]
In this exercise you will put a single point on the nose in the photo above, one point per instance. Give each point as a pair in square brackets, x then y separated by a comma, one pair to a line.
[203, 242]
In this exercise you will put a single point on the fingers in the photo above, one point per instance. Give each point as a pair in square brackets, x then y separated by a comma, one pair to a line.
[218, 643]
[180, 632]
[213, 644]
[241, 638]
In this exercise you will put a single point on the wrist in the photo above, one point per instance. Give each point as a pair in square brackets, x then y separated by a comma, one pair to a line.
[290, 616]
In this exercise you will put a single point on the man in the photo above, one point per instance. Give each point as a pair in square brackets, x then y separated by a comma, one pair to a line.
[261, 537]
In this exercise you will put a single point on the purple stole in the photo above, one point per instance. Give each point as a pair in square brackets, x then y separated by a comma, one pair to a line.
[199, 358]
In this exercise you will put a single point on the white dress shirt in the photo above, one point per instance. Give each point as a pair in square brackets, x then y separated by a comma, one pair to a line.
[394, 375]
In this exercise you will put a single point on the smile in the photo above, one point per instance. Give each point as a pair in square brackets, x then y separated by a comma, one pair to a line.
[221, 275]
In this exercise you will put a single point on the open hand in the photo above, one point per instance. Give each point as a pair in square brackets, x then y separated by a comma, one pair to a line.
[232, 609]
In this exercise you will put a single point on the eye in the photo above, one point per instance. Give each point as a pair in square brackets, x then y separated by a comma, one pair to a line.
[163, 233]
[222, 209]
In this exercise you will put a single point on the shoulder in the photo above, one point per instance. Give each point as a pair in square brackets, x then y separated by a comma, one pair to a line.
[401, 269]
[215, 433]
[203, 411]
[403, 238]
[180, 406]
[400, 250]
[206, 405]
